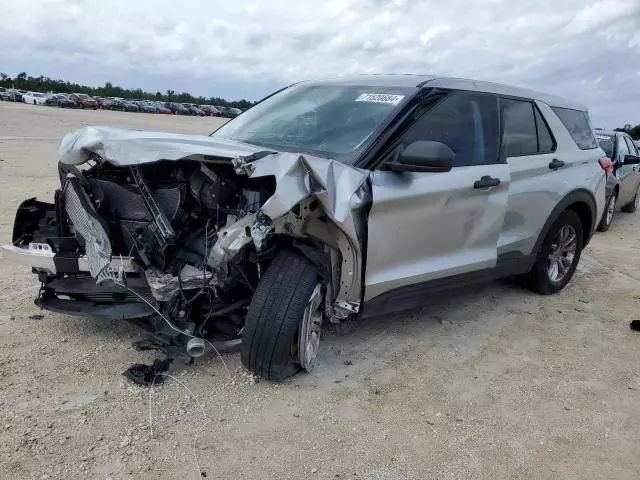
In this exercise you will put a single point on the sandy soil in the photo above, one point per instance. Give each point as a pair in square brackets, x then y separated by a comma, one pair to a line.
[491, 383]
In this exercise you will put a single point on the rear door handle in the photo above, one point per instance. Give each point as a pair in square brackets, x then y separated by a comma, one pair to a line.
[556, 164]
[486, 182]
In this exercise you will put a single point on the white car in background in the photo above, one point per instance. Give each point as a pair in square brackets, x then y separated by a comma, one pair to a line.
[34, 98]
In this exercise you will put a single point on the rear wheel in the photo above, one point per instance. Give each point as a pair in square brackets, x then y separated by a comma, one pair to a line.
[632, 206]
[558, 256]
[609, 210]
[282, 329]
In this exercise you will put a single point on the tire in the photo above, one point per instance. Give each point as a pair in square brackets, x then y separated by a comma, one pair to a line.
[270, 335]
[632, 206]
[605, 223]
[539, 278]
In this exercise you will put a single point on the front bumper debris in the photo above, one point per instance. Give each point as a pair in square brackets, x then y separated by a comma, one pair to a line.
[41, 257]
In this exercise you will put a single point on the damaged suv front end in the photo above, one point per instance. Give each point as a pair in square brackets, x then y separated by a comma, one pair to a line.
[252, 236]
[175, 232]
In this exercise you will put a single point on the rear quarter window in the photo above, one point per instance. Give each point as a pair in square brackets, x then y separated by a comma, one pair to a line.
[577, 123]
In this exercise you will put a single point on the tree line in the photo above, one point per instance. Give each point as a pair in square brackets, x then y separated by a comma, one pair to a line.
[634, 132]
[43, 84]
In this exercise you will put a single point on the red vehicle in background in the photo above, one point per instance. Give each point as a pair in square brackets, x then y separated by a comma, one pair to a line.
[84, 101]
[162, 109]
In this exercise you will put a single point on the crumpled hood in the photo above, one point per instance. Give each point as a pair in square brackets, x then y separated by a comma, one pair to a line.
[123, 147]
[298, 176]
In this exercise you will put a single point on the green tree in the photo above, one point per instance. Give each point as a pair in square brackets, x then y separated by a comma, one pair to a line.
[634, 132]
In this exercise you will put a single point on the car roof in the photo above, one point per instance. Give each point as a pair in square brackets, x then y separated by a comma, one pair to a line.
[419, 81]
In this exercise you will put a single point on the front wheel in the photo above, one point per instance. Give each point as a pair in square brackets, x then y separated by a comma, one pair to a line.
[558, 256]
[282, 329]
[609, 210]
[632, 206]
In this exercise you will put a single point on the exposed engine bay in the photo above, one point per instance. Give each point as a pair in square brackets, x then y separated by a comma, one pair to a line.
[167, 218]
[179, 247]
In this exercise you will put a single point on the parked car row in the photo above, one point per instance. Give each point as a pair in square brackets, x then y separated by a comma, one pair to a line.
[623, 184]
[11, 94]
[82, 100]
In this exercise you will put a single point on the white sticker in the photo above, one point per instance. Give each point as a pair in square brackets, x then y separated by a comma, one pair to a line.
[380, 98]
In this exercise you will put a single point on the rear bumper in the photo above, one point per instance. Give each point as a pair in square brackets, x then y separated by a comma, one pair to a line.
[43, 259]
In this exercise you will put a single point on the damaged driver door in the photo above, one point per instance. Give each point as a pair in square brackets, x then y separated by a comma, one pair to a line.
[443, 222]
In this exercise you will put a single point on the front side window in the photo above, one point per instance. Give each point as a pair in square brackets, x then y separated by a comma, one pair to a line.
[333, 120]
[632, 148]
[467, 122]
[623, 149]
[577, 123]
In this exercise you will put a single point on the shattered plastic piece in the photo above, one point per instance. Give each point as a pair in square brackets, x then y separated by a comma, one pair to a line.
[165, 287]
[230, 241]
[635, 325]
[260, 230]
[148, 375]
[36, 317]
[242, 167]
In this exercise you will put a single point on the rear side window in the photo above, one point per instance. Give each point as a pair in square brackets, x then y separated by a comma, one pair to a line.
[524, 130]
[467, 122]
[577, 123]
[519, 136]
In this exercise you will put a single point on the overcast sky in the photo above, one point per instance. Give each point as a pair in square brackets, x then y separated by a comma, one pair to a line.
[582, 49]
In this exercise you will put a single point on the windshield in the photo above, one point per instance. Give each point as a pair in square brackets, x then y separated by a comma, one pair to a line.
[328, 120]
[606, 143]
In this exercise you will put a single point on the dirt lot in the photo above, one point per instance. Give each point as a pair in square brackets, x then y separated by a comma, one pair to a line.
[488, 384]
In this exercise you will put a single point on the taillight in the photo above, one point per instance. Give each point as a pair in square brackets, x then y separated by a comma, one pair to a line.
[607, 165]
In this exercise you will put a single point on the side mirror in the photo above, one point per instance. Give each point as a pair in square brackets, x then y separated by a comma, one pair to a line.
[631, 160]
[423, 156]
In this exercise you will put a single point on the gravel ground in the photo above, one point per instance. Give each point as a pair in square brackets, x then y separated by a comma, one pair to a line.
[491, 383]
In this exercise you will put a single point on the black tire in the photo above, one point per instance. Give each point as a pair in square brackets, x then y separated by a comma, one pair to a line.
[538, 278]
[632, 206]
[605, 223]
[270, 336]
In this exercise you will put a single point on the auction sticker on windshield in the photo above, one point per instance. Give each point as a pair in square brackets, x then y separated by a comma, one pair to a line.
[380, 98]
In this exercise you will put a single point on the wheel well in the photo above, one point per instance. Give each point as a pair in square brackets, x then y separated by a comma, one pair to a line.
[586, 217]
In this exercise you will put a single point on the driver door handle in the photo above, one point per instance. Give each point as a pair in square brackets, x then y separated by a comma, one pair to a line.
[486, 182]
[556, 164]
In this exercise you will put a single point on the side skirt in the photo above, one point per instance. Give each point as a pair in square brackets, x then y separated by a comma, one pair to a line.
[413, 296]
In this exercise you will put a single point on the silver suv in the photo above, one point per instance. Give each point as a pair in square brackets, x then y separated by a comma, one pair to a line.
[323, 201]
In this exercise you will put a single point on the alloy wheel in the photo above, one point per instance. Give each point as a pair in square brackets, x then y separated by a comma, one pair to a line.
[310, 328]
[611, 207]
[562, 253]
